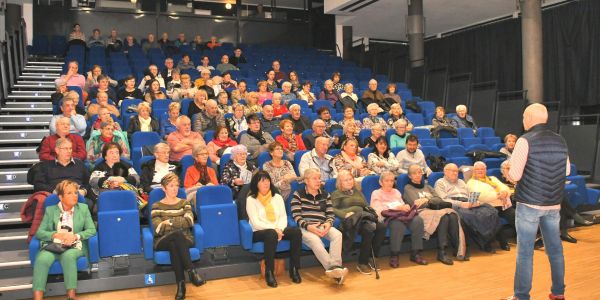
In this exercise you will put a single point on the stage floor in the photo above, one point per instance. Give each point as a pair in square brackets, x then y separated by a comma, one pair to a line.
[486, 276]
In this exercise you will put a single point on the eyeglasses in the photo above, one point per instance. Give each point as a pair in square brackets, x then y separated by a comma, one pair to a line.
[66, 148]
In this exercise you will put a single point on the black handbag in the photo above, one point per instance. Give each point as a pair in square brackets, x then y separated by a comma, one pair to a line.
[56, 248]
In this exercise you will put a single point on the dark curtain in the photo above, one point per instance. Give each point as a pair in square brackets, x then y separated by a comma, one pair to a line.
[571, 42]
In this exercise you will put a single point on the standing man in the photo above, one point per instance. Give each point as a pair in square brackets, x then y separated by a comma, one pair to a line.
[539, 164]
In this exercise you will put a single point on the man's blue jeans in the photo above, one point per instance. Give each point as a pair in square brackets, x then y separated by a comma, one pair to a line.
[527, 221]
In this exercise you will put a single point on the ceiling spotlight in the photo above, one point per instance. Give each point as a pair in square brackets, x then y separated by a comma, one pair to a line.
[134, 1]
[228, 5]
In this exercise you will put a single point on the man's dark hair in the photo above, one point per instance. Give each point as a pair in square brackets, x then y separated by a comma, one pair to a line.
[412, 138]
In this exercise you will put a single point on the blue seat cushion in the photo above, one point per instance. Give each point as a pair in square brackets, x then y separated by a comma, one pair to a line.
[163, 257]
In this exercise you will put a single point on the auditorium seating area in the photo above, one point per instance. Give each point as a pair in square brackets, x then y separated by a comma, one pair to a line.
[217, 226]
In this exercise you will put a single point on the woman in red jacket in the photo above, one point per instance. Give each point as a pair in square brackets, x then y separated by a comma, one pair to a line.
[291, 142]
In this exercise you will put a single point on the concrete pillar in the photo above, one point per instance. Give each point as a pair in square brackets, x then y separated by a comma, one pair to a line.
[415, 28]
[347, 42]
[531, 35]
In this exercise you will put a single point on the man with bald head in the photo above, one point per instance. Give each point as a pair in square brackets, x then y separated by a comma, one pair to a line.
[183, 140]
[539, 165]
[318, 128]
[208, 119]
[319, 159]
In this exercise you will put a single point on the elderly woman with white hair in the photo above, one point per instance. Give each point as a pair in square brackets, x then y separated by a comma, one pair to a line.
[286, 92]
[397, 215]
[348, 97]
[155, 169]
[495, 193]
[301, 122]
[372, 119]
[143, 122]
[253, 105]
[329, 93]
[377, 131]
[480, 219]
[350, 205]
[463, 120]
[237, 174]
[398, 139]
[396, 114]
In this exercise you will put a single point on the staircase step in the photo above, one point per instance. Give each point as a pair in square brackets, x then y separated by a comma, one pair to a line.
[36, 93]
[22, 136]
[14, 180]
[29, 97]
[40, 77]
[29, 105]
[13, 239]
[14, 258]
[46, 74]
[25, 120]
[15, 284]
[10, 219]
[12, 203]
[42, 69]
[45, 63]
[11, 156]
[35, 86]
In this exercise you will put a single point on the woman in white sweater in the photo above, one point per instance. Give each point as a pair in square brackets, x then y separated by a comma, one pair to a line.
[268, 219]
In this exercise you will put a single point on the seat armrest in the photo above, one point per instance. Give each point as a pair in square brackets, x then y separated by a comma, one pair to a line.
[246, 234]
[94, 252]
[148, 242]
[198, 237]
[34, 248]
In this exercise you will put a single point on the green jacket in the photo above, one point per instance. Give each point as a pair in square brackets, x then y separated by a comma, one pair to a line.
[83, 225]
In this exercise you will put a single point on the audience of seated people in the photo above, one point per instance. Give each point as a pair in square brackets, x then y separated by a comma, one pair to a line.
[236, 113]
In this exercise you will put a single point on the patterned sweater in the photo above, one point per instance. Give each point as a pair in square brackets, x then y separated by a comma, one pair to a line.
[182, 219]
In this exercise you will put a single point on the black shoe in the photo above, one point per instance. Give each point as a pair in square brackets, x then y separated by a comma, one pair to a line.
[567, 238]
[270, 278]
[505, 246]
[180, 291]
[295, 275]
[195, 278]
[443, 258]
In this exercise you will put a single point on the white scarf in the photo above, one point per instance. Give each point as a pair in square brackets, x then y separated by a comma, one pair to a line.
[145, 124]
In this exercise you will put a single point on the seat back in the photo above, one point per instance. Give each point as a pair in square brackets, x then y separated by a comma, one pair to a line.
[297, 158]
[217, 214]
[368, 185]
[421, 133]
[401, 182]
[433, 177]
[453, 151]
[263, 157]
[465, 133]
[118, 224]
[53, 199]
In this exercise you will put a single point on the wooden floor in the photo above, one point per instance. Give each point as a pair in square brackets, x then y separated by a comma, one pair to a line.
[486, 276]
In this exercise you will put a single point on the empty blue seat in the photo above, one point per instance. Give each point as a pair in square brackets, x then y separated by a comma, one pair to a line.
[421, 133]
[443, 142]
[217, 214]
[369, 184]
[433, 177]
[416, 119]
[453, 151]
[140, 139]
[118, 224]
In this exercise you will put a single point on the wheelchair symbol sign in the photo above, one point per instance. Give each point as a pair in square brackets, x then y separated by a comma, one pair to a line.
[150, 279]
